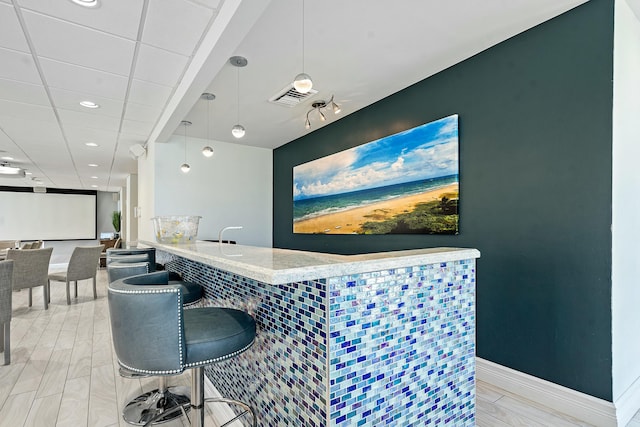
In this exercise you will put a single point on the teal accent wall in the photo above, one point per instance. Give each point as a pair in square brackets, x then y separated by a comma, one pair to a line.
[535, 132]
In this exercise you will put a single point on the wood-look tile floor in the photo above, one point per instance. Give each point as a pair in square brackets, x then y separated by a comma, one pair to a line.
[64, 372]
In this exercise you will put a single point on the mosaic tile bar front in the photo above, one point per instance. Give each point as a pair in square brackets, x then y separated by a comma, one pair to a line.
[385, 348]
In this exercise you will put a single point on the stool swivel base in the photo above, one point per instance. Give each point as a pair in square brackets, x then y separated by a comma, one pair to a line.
[197, 405]
[157, 406]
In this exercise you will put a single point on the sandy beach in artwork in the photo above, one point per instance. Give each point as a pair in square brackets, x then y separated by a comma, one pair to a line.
[350, 221]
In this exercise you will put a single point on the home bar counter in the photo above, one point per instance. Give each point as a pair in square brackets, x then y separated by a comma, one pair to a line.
[344, 340]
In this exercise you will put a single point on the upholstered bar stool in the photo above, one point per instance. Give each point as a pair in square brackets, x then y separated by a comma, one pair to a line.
[118, 270]
[193, 291]
[138, 254]
[164, 398]
[153, 334]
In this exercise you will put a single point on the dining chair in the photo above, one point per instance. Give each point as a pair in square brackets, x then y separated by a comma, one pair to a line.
[83, 265]
[108, 244]
[5, 245]
[30, 270]
[6, 275]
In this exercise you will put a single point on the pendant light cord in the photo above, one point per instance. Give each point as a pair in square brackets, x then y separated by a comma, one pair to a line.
[185, 143]
[238, 94]
[303, 36]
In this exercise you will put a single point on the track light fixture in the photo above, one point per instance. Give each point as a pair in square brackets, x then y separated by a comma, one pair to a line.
[238, 130]
[207, 151]
[318, 106]
[185, 168]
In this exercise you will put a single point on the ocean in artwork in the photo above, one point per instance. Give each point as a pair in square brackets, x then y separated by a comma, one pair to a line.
[323, 205]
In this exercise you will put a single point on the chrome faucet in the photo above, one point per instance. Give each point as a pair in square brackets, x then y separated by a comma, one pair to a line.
[235, 227]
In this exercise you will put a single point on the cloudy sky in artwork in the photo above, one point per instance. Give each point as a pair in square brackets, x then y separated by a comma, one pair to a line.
[426, 151]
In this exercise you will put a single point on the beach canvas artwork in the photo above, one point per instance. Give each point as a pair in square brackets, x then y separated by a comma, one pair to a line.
[406, 183]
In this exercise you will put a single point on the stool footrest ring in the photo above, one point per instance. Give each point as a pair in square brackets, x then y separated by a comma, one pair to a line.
[246, 409]
[187, 406]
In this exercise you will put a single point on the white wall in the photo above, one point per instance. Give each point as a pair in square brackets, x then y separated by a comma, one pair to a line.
[626, 201]
[146, 193]
[130, 221]
[234, 187]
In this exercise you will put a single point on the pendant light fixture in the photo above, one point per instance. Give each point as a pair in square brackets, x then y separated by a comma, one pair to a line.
[302, 82]
[185, 168]
[207, 151]
[238, 130]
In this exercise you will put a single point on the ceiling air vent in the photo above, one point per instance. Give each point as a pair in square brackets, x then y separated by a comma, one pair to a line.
[289, 97]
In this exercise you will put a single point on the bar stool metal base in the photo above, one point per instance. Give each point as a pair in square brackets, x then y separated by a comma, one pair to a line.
[198, 401]
[152, 405]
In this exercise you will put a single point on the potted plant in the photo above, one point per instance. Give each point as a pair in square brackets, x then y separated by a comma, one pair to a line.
[115, 220]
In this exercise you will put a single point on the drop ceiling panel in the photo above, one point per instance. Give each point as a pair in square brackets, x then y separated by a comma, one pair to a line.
[83, 157]
[147, 93]
[142, 113]
[159, 66]
[78, 136]
[175, 25]
[212, 4]
[12, 90]
[26, 132]
[6, 143]
[120, 17]
[75, 44]
[142, 129]
[129, 139]
[69, 100]
[71, 118]
[80, 79]
[11, 35]
[18, 66]
[45, 161]
[36, 113]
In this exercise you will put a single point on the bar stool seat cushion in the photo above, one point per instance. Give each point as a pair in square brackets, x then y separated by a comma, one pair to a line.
[213, 334]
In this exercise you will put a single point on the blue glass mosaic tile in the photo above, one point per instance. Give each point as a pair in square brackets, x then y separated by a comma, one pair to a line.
[386, 348]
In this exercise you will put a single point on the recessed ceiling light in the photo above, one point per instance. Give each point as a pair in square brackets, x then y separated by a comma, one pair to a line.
[93, 165]
[91, 144]
[94, 186]
[94, 177]
[6, 158]
[86, 3]
[28, 173]
[89, 104]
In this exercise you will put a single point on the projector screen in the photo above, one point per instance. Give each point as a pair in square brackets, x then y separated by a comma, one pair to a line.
[55, 215]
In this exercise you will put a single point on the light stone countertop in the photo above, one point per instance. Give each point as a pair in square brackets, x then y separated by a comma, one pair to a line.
[278, 266]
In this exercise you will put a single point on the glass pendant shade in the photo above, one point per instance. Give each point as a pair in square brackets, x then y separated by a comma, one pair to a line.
[302, 83]
[238, 131]
[185, 168]
[207, 151]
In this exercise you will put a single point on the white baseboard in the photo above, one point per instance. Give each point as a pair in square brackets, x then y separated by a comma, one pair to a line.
[579, 405]
[628, 403]
[222, 411]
